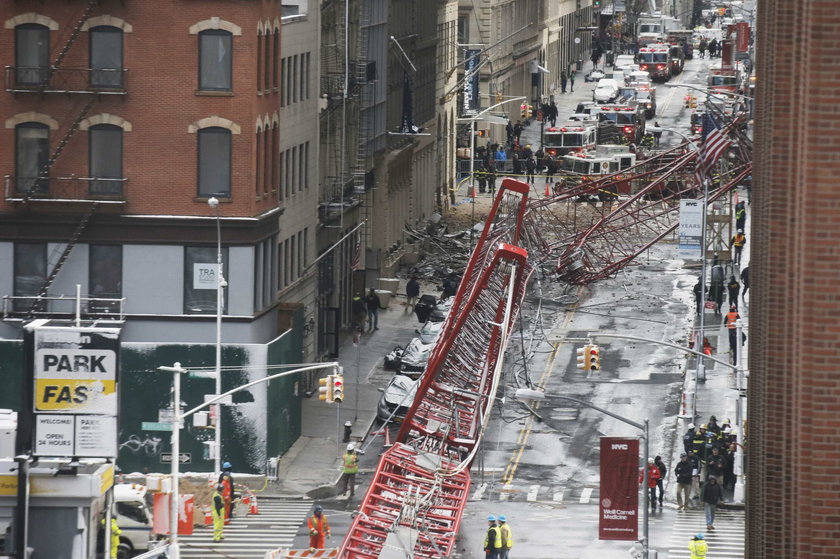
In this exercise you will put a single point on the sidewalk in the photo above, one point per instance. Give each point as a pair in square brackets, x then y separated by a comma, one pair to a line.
[312, 466]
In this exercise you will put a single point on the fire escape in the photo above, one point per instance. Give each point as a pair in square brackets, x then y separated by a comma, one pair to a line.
[83, 88]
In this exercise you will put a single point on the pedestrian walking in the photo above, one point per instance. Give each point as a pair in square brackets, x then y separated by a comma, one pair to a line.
[228, 494]
[572, 84]
[697, 546]
[731, 318]
[683, 472]
[359, 310]
[734, 289]
[493, 540]
[509, 132]
[350, 462]
[550, 168]
[217, 511]
[319, 529]
[740, 215]
[738, 242]
[481, 177]
[660, 483]
[412, 292]
[491, 180]
[696, 469]
[507, 536]
[688, 438]
[745, 280]
[372, 303]
[563, 80]
[703, 46]
[712, 495]
[517, 131]
[652, 477]
[698, 295]
[716, 289]
[115, 536]
[501, 157]
[530, 169]
[657, 133]
[517, 165]
[449, 286]
[716, 466]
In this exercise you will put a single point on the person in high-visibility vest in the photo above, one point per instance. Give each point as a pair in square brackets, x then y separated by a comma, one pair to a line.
[351, 468]
[507, 536]
[731, 322]
[493, 540]
[319, 529]
[738, 242]
[217, 509]
[115, 536]
[226, 479]
[697, 546]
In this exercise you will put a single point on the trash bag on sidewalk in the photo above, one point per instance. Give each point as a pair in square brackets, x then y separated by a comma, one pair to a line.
[424, 307]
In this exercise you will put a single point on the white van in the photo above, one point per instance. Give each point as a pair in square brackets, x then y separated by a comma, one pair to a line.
[133, 517]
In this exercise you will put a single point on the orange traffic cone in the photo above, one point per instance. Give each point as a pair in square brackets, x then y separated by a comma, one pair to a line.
[208, 517]
[254, 508]
[547, 190]
[472, 192]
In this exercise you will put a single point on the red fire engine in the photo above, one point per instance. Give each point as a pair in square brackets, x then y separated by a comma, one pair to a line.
[656, 60]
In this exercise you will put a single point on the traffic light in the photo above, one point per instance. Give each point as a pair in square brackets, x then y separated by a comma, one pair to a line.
[337, 388]
[325, 392]
[583, 358]
[523, 110]
[596, 4]
[594, 358]
[481, 133]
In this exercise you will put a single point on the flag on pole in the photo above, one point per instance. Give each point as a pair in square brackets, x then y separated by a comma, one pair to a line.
[716, 143]
[356, 262]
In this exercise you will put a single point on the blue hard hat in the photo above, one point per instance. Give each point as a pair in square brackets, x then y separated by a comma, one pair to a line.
[502, 518]
[491, 518]
[700, 537]
[226, 465]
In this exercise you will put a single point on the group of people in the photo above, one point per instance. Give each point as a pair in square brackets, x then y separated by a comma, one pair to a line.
[223, 502]
[712, 46]
[366, 309]
[526, 162]
[499, 538]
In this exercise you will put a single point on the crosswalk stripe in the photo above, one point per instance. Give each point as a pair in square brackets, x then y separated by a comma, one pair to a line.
[585, 495]
[726, 541]
[479, 492]
[558, 496]
[532, 493]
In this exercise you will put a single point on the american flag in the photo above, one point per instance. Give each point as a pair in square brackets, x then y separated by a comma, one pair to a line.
[716, 143]
[356, 262]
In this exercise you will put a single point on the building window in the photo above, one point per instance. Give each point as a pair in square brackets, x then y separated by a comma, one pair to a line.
[30, 269]
[32, 54]
[32, 155]
[276, 59]
[259, 59]
[259, 167]
[214, 162]
[105, 164]
[216, 59]
[106, 57]
[267, 46]
[201, 279]
[105, 276]
[275, 155]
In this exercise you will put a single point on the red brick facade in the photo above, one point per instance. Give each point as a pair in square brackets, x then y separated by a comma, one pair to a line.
[793, 433]
[162, 100]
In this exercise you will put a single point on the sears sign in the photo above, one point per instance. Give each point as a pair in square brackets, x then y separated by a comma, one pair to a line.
[76, 370]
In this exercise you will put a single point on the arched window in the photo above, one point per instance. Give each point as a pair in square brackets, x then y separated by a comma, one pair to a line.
[32, 54]
[215, 60]
[106, 57]
[32, 154]
[214, 155]
[105, 159]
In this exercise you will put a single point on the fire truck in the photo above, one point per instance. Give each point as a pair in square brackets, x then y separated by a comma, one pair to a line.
[591, 165]
[655, 59]
[628, 120]
[570, 136]
[724, 80]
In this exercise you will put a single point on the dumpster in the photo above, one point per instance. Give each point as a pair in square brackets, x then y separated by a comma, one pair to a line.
[384, 298]
[424, 307]
[578, 65]
[389, 284]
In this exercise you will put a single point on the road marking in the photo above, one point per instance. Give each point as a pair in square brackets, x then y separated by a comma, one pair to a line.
[585, 495]
[558, 496]
[479, 492]
[532, 493]
[504, 494]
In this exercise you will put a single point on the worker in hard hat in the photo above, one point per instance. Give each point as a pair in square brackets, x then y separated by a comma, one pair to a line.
[228, 493]
[350, 466]
[493, 540]
[697, 546]
[217, 509]
[115, 536]
[319, 529]
[507, 536]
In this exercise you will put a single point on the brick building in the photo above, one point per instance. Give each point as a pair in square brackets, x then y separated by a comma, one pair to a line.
[794, 425]
[120, 122]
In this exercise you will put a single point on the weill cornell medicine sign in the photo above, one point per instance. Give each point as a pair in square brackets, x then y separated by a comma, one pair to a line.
[618, 510]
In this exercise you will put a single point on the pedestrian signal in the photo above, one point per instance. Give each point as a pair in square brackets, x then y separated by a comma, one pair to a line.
[583, 358]
[594, 358]
[325, 390]
[337, 388]
[481, 133]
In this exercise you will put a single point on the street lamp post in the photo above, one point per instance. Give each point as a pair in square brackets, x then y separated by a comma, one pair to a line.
[213, 202]
[179, 417]
[526, 394]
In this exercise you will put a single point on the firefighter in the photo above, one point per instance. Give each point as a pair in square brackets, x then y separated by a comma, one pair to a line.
[319, 528]
[217, 509]
[115, 535]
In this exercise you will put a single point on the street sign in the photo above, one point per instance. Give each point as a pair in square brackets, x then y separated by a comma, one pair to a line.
[91, 436]
[183, 458]
[155, 426]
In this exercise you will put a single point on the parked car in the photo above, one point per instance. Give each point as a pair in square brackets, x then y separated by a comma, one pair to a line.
[415, 357]
[429, 332]
[623, 60]
[594, 75]
[606, 91]
[639, 77]
[396, 398]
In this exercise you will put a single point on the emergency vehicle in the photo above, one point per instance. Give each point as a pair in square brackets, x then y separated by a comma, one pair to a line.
[570, 136]
[724, 80]
[603, 160]
[677, 61]
[629, 119]
[684, 38]
[655, 59]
